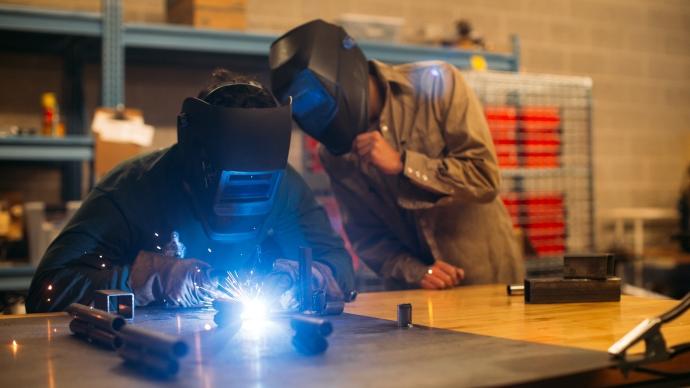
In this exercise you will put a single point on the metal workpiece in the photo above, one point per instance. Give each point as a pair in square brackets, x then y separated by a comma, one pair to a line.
[559, 290]
[515, 289]
[310, 334]
[115, 302]
[95, 335]
[310, 326]
[96, 317]
[150, 341]
[334, 307]
[148, 362]
[588, 266]
[405, 315]
[351, 296]
[309, 345]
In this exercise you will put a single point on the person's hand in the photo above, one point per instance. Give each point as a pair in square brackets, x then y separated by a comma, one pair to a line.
[373, 149]
[282, 284]
[442, 275]
[175, 282]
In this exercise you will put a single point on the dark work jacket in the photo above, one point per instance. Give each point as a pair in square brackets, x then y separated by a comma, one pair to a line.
[140, 203]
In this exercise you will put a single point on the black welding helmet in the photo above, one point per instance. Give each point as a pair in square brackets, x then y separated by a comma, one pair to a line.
[234, 160]
[324, 71]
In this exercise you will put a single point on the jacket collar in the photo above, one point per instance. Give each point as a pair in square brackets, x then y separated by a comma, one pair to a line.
[392, 76]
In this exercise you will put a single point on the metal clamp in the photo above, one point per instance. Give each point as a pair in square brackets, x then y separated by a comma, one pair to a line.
[649, 331]
[315, 301]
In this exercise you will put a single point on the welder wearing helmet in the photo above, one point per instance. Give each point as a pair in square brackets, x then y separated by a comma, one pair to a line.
[409, 156]
[168, 224]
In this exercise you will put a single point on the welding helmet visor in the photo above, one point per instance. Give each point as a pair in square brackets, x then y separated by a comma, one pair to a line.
[326, 74]
[235, 159]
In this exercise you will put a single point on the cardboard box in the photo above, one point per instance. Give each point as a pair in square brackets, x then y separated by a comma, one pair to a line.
[109, 154]
[118, 138]
[219, 14]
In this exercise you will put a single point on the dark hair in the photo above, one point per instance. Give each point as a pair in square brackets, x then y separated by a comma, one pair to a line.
[253, 95]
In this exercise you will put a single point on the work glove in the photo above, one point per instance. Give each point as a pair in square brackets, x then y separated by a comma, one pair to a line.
[281, 286]
[170, 280]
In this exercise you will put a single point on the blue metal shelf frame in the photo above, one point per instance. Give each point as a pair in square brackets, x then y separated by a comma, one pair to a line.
[183, 38]
[50, 22]
[117, 36]
[46, 149]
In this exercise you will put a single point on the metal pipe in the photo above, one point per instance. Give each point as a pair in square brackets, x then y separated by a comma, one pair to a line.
[153, 341]
[308, 326]
[334, 308]
[98, 318]
[405, 315]
[309, 345]
[515, 289]
[95, 335]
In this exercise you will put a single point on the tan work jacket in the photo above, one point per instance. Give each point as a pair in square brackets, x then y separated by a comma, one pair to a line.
[445, 204]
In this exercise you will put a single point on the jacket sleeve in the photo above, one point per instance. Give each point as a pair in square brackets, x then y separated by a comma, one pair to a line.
[373, 240]
[303, 222]
[468, 169]
[91, 253]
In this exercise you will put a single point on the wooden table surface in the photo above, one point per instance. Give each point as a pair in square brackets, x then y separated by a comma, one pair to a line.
[487, 310]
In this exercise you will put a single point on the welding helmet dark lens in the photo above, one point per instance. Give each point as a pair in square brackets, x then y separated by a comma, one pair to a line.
[313, 107]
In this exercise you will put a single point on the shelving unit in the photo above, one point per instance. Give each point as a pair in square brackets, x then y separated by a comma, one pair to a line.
[46, 149]
[87, 32]
[74, 35]
[183, 38]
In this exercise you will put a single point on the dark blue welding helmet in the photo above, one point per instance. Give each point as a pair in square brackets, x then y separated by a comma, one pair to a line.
[326, 74]
[234, 160]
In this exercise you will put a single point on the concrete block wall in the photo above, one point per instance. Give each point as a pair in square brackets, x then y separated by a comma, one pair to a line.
[636, 51]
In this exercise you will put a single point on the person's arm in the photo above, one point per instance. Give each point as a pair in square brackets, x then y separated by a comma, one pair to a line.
[91, 253]
[372, 240]
[303, 222]
[468, 169]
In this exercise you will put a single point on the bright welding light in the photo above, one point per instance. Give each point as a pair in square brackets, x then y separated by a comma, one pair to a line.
[254, 310]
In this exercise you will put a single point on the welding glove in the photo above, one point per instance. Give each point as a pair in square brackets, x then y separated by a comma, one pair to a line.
[169, 280]
[282, 284]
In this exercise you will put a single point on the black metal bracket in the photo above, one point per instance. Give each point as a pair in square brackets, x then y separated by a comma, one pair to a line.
[649, 331]
[315, 301]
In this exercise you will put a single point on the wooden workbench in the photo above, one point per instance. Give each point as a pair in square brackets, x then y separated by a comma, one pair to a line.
[464, 337]
[486, 310]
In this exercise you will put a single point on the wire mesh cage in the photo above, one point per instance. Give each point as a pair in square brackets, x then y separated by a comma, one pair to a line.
[541, 127]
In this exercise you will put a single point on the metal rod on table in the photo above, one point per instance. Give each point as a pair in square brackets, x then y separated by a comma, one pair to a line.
[153, 341]
[98, 318]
